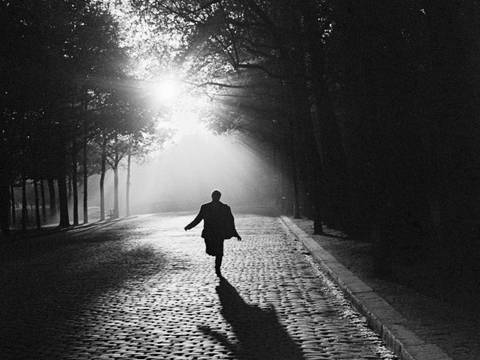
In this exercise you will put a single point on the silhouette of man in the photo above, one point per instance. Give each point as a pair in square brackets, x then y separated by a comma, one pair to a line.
[218, 225]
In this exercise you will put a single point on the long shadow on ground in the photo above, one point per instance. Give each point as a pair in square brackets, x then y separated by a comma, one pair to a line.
[258, 331]
[44, 290]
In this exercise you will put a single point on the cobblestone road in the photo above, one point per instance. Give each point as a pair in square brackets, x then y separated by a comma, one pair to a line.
[145, 289]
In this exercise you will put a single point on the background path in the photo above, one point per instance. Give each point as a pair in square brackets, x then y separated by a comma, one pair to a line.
[145, 289]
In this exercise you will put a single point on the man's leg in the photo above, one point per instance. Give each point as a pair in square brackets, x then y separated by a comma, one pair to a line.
[218, 264]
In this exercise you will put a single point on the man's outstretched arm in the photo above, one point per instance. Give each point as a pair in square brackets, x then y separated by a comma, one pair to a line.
[232, 224]
[195, 221]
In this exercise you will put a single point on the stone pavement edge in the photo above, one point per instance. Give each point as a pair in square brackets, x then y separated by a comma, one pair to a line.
[382, 317]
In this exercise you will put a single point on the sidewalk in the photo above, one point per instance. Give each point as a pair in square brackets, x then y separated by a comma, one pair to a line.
[417, 326]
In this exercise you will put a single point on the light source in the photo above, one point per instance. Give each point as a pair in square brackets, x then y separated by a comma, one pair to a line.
[165, 90]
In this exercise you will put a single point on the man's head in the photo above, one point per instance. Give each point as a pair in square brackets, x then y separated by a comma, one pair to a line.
[216, 195]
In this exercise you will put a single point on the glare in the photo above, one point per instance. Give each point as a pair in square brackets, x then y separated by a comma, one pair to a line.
[179, 107]
[182, 175]
[165, 90]
[187, 122]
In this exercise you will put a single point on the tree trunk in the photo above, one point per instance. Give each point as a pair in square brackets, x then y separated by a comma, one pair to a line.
[51, 197]
[291, 156]
[317, 216]
[69, 187]
[75, 182]
[116, 161]
[127, 200]
[115, 192]
[294, 172]
[85, 174]
[4, 194]
[37, 205]
[42, 194]
[286, 199]
[102, 178]
[62, 186]
[4, 208]
[296, 197]
[322, 121]
[24, 204]
[63, 200]
[317, 222]
[294, 166]
[12, 204]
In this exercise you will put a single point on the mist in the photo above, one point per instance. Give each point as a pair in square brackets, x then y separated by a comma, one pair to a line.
[181, 176]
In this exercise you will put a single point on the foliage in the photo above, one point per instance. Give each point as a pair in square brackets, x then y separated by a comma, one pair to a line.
[65, 80]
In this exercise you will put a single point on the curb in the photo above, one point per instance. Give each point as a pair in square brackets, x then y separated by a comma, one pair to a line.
[381, 316]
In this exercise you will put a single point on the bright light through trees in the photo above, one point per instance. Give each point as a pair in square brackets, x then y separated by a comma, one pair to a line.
[178, 84]
[165, 90]
[178, 107]
[165, 82]
[182, 176]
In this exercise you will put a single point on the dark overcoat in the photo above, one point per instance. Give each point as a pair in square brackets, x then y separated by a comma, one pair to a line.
[218, 225]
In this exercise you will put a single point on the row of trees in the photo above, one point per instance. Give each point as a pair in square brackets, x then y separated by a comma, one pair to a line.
[66, 111]
[372, 106]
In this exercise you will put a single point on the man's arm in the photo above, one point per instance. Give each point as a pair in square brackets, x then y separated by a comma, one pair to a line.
[195, 221]
[232, 222]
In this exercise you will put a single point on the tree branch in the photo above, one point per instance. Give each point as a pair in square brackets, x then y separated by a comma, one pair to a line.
[230, 86]
[260, 67]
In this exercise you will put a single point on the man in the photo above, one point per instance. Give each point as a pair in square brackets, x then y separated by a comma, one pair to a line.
[218, 225]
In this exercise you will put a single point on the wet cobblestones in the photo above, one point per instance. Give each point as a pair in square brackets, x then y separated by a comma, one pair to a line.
[144, 289]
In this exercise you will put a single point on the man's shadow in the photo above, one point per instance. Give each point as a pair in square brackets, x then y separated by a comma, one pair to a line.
[258, 332]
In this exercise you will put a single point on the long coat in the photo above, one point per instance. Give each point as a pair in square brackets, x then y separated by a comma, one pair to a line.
[218, 225]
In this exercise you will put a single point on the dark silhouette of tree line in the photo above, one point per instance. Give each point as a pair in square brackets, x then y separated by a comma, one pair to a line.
[371, 108]
[66, 112]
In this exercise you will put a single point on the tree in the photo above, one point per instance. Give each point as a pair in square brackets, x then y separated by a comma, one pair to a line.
[55, 48]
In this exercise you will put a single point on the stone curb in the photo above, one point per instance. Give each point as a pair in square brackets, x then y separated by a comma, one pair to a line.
[381, 316]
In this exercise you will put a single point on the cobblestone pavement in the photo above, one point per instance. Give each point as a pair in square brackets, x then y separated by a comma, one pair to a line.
[145, 289]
